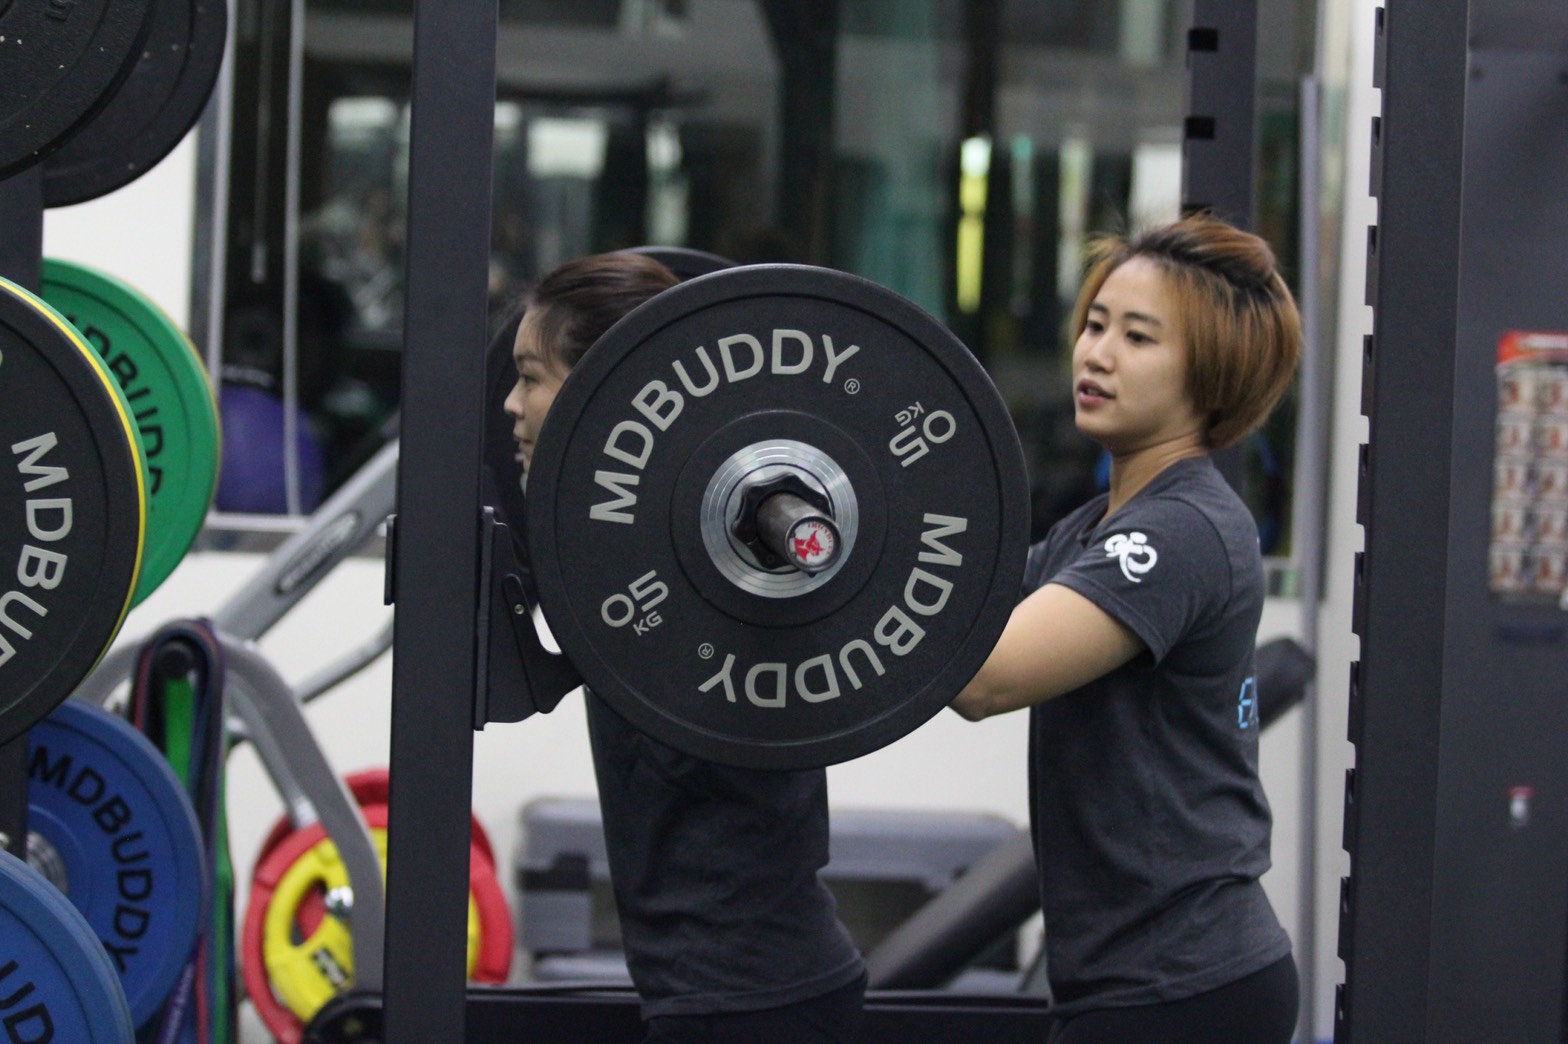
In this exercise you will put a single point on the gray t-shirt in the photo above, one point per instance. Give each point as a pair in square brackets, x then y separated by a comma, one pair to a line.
[1150, 825]
[714, 870]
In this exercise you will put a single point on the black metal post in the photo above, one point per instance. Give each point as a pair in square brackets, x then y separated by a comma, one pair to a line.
[1220, 131]
[1387, 910]
[977, 119]
[21, 254]
[805, 38]
[1217, 142]
[13, 796]
[22, 222]
[437, 551]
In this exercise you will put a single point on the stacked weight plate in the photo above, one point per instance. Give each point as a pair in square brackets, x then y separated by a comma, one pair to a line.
[73, 508]
[108, 449]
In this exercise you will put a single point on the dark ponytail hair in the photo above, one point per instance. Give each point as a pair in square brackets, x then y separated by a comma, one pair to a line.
[575, 304]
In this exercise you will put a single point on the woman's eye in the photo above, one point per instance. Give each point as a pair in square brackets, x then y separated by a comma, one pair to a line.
[1094, 326]
[1139, 337]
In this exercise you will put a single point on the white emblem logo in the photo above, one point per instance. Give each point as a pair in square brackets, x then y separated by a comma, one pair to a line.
[1137, 557]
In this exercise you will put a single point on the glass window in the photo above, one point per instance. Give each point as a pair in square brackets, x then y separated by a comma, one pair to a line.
[957, 151]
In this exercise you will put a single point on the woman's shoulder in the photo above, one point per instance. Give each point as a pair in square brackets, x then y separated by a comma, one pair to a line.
[1191, 514]
[1066, 537]
[1072, 529]
[1196, 487]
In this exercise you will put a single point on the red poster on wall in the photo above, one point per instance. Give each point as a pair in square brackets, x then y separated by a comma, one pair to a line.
[1528, 557]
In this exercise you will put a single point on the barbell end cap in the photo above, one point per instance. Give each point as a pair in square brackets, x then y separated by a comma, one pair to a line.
[798, 533]
[814, 545]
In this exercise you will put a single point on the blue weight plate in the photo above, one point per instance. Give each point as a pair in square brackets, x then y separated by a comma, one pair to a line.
[111, 805]
[55, 978]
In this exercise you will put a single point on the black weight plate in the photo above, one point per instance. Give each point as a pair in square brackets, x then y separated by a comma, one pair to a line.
[754, 671]
[159, 102]
[685, 262]
[62, 62]
[73, 509]
[500, 449]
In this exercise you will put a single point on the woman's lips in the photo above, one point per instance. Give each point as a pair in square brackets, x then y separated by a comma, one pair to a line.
[1090, 393]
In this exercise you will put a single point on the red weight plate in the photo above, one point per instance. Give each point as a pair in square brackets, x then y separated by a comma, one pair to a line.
[492, 963]
[253, 965]
[369, 786]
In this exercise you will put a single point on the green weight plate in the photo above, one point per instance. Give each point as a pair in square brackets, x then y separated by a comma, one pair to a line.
[170, 398]
[73, 509]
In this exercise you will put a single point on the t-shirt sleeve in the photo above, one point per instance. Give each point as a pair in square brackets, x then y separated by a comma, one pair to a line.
[1160, 569]
[1034, 569]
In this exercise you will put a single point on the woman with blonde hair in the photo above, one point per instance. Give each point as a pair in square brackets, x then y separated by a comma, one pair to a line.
[1133, 648]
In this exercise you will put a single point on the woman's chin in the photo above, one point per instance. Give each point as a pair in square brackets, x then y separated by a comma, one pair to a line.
[1091, 427]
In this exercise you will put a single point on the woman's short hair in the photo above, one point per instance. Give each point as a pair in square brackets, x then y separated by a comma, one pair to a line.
[1239, 320]
[576, 303]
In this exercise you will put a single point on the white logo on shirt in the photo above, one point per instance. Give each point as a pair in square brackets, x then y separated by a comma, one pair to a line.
[1247, 705]
[1137, 557]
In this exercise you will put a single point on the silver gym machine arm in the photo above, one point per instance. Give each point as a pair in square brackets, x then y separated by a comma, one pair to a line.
[266, 711]
[334, 531]
[289, 751]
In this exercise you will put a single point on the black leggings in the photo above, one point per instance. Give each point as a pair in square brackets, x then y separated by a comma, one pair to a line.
[1257, 1009]
[833, 1018]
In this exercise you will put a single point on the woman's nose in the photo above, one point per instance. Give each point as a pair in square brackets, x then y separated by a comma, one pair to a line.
[1095, 354]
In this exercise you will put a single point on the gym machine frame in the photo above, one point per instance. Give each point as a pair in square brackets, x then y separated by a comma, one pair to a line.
[266, 711]
[443, 485]
[21, 260]
[437, 672]
[1454, 918]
